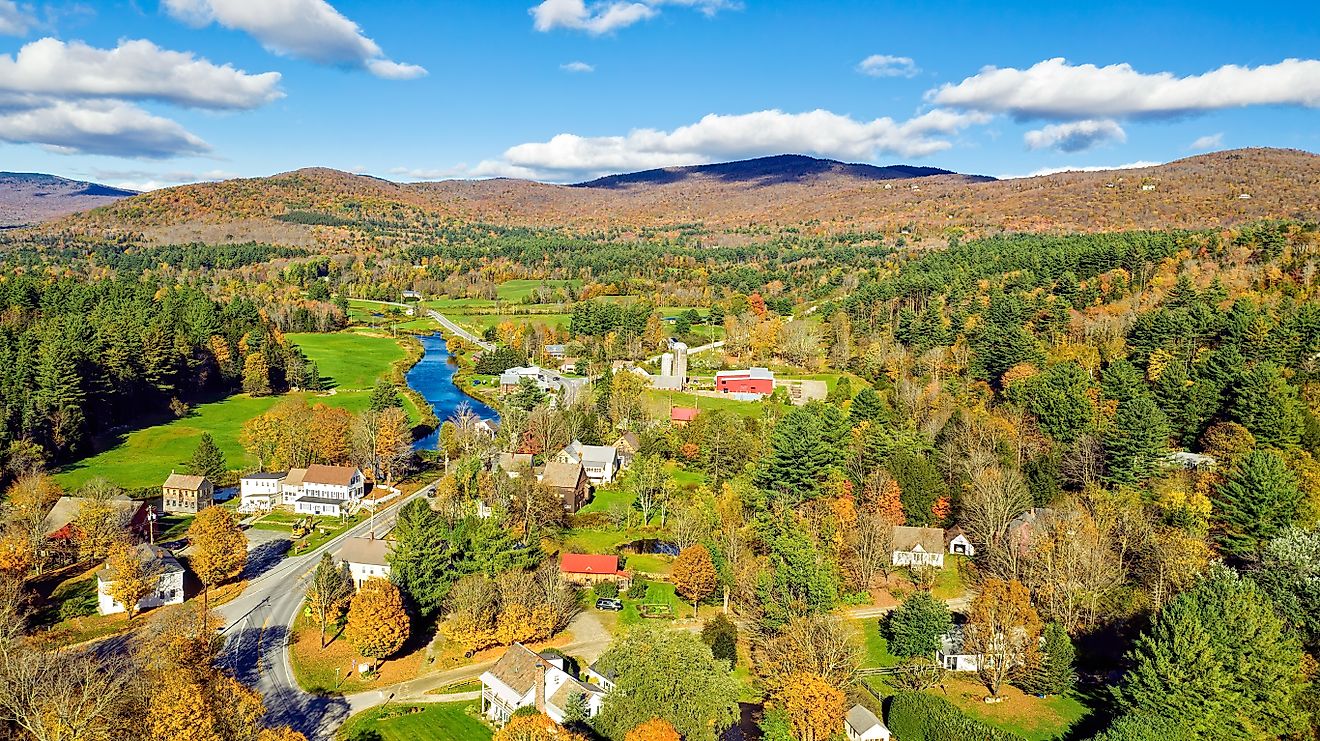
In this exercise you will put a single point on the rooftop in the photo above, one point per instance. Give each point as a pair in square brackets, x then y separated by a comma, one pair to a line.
[929, 539]
[562, 475]
[366, 551]
[319, 500]
[862, 720]
[185, 482]
[265, 475]
[683, 414]
[331, 475]
[149, 554]
[763, 373]
[66, 510]
[588, 563]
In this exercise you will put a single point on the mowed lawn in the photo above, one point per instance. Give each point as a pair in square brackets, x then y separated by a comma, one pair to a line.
[448, 721]
[145, 457]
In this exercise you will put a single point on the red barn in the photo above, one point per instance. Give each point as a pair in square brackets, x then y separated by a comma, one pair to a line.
[750, 381]
[680, 416]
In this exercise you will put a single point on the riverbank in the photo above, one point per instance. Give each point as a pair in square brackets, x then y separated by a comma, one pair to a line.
[437, 379]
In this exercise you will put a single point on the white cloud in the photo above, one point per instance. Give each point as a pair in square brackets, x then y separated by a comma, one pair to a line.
[306, 29]
[137, 70]
[1075, 136]
[424, 173]
[145, 180]
[610, 15]
[99, 127]
[1081, 168]
[884, 65]
[1059, 90]
[1209, 141]
[14, 21]
[577, 67]
[723, 137]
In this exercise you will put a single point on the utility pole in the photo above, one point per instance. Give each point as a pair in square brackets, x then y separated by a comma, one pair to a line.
[151, 523]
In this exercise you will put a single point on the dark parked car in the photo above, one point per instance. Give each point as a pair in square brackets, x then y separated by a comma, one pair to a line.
[609, 603]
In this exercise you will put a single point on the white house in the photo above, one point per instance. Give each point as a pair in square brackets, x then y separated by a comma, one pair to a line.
[951, 655]
[169, 585]
[601, 462]
[291, 486]
[956, 542]
[523, 678]
[600, 677]
[366, 558]
[330, 490]
[918, 546]
[260, 491]
[862, 725]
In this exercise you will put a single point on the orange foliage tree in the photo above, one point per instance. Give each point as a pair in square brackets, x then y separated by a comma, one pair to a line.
[694, 574]
[655, 729]
[813, 706]
[377, 622]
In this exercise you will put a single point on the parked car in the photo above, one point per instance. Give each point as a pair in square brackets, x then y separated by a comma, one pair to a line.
[610, 604]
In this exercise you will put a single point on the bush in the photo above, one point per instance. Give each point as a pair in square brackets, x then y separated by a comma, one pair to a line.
[606, 589]
[722, 636]
[637, 589]
[79, 600]
[915, 716]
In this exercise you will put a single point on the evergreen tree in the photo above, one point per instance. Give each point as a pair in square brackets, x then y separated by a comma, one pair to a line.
[1137, 441]
[208, 460]
[915, 626]
[866, 407]
[528, 395]
[721, 635]
[1257, 502]
[1051, 671]
[1121, 381]
[385, 395]
[1289, 572]
[1058, 399]
[60, 396]
[799, 458]
[1268, 406]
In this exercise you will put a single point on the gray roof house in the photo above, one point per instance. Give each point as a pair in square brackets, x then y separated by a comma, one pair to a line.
[862, 725]
[600, 461]
[918, 546]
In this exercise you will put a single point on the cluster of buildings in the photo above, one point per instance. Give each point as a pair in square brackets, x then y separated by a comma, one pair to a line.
[329, 491]
[925, 547]
[575, 470]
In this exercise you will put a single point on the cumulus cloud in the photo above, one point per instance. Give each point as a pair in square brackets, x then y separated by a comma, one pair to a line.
[1055, 89]
[722, 137]
[99, 127]
[603, 17]
[145, 180]
[1209, 141]
[1081, 168]
[1075, 136]
[14, 21]
[305, 29]
[577, 67]
[884, 65]
[135, 70]
[72, 97]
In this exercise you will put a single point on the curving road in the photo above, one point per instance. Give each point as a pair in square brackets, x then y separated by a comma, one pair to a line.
[450, 325]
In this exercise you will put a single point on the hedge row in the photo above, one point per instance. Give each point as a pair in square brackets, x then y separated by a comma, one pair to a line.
[915, 716]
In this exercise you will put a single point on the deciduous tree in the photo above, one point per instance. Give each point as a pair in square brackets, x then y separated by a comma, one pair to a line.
[219, 548]
[329, 592]
[814, 707]
[694, 575]
[655, 729]
[1002, 628]
[377, 620]
[131, 576]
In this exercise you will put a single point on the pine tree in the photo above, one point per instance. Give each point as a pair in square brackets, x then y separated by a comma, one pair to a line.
[1268, 406]
[60, 396]
[915, 626]
[1137, 442]
[799, 457]
[1257, 502]
[1051, 670]
[384, 395]
[866, 407]
[208, 460]
[721, 635]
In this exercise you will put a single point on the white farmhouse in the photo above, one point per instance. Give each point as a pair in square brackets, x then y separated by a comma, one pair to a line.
[951, 655]
[601, 462]
[260, 491]
[862, 725]
[330, 490]
[291, 486]
[523, 678]
[169, 585]
[366, 558]
[918, 546]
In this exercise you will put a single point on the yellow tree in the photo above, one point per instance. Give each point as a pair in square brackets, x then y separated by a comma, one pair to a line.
[694, 574]
[814, 707]
[283, 733]
[393, 441]
[211, 706]
[15, 555]
[219, 549]
[655, 729]
[534, 728]
[330, 591]
[377, 621]
[27, 503]
[100, 526]
[132, 577]
[261, 437]
[330, 433]
[1002, 629]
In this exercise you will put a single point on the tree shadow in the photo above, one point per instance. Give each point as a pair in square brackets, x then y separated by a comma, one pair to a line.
[254, 656]
[265, 557]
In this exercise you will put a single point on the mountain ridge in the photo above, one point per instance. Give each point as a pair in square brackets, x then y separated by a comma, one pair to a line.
[30, 197]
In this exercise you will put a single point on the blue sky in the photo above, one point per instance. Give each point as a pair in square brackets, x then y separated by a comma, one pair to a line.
[148, 93]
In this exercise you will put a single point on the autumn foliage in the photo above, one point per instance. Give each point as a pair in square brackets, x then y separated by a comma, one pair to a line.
[377, 620]
[655, 729]
[814, 707]
[694, 574]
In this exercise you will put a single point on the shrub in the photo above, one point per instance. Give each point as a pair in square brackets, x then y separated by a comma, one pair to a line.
[637, 589]
[79, 600]
[915, 716]
[607, 589]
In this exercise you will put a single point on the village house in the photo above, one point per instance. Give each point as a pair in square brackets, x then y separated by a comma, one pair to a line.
[59, 522]
[330, 490]
[523, 678]
[758, 381]
[600, 461]
[600, 677]
[862, 725]
[1190, 461]
[511, 378]
[260, 491]
[555, 351]
[488, 427]
[569, 481]
[589, 569]
[366, 558]
[682, 416]
[918, 546]
[291, 486]
[514, 464]
[956, 542]
[628, 446]
[951, 655]
[186, 494]
[169, 582]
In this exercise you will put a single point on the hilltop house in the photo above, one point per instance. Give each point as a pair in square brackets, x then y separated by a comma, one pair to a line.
[569, 480]
[366, 558]
[169, 582]
[918, 546]
[59, 522]
[586, 569]
[186, 494]
[260, 491]
[861, 724]
[329, 490]
[600, 461]
[523, 678]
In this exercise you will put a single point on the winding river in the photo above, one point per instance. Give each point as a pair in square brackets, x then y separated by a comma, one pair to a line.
[433, 378]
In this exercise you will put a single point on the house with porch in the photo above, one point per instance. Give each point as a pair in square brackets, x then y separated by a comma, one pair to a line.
[523, 678]
[918, 546]
[169, 582]
[331, 491]
[601, 462]
[260, 491]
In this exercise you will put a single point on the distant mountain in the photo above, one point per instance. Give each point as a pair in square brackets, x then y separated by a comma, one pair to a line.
[730, 203]
[779, 169]
[29, 198]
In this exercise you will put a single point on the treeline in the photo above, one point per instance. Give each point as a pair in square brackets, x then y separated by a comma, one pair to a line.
[79, 358]
[134, 260]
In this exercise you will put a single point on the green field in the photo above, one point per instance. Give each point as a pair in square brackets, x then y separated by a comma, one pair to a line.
[451, 721]
[479, 322]
[519, 290]
[658, 403]
[143, 458]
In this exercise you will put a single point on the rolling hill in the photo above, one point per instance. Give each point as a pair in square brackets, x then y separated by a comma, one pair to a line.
[328, 207]
[29, 198]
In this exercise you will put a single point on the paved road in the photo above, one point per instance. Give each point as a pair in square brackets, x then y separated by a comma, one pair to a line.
[258, 627]
[448, 324]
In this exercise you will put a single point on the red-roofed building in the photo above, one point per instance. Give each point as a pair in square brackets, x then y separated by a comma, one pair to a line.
[591, 568]
[680, 416]
[750, 381]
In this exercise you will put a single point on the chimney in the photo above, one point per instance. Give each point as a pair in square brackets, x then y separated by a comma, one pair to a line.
[540, 685]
